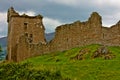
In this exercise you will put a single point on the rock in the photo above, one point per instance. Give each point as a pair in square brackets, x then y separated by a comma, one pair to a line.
[103, 52]
[81, 54]
[109, 56]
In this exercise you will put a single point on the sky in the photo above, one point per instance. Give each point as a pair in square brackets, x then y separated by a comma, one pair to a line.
[58, 12]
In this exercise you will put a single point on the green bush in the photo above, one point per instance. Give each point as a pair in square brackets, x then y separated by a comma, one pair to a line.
[0, 48]
[25, 71]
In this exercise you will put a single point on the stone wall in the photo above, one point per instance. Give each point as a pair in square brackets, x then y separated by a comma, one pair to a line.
[66, 36]
[31, 26]
[77, 34]
[111, 36]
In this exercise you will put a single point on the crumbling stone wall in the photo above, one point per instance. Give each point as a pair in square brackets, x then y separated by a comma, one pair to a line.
[78, 33]
[111, 36]
[18, 25]
[26, 35]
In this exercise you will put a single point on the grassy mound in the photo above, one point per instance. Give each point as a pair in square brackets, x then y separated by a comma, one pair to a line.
[61, 65]
[86, 69]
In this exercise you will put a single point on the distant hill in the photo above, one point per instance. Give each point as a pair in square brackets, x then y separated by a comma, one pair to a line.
[49, 36]
[3, 43]
[3, 40]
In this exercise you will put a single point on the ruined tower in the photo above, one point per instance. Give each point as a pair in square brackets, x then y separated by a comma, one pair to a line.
[18, 25]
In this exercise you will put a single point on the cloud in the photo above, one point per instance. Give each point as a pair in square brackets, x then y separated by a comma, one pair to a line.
[3, 16]
[21, 5]
[50, 24]
[109, 20]
[3, 24]
[57, 12]
[113, 3]
[86, 3]
[30, 13]
[66, 2]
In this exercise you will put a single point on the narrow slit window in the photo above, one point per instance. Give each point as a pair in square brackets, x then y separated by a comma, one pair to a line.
[31, 35]
[25, 26]
[31, 38]
[26, 34]
[103, 35]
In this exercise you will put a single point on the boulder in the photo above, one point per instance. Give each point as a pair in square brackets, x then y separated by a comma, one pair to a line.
[104, 52]
[81, 54]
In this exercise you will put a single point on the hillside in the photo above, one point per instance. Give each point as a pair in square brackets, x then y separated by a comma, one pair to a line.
[49, 36]
[3, 41]
[86, 69]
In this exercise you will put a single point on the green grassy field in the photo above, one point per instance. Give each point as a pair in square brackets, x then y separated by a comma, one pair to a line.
[87, 69]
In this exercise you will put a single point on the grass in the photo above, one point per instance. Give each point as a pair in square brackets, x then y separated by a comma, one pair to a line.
[62, 66]
[87, 69]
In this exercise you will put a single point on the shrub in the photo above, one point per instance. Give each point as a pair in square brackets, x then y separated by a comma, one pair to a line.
[24, 71]
[0, 48]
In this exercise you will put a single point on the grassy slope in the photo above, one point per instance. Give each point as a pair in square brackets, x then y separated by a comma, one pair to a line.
[88, 69]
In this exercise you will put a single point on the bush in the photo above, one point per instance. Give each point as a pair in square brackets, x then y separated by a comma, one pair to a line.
[0, 48]
[24, 71]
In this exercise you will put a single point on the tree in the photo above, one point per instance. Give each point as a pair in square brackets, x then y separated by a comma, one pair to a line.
[0, 48]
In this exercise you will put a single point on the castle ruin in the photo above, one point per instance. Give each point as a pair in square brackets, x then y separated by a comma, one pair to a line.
[26, 35]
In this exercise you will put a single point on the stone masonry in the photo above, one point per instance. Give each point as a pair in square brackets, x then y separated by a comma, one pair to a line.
[18, 25]
[26, 36]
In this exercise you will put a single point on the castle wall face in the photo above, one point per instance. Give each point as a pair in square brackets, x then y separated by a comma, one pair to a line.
[26, 35]
[18, 25]
[77, 34]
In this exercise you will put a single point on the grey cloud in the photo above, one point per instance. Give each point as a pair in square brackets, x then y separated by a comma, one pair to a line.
[57, 11]
[64, 13]
[21, 4]
[3, 29]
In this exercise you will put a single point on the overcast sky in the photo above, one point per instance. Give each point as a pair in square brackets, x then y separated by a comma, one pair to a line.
[57, 12]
